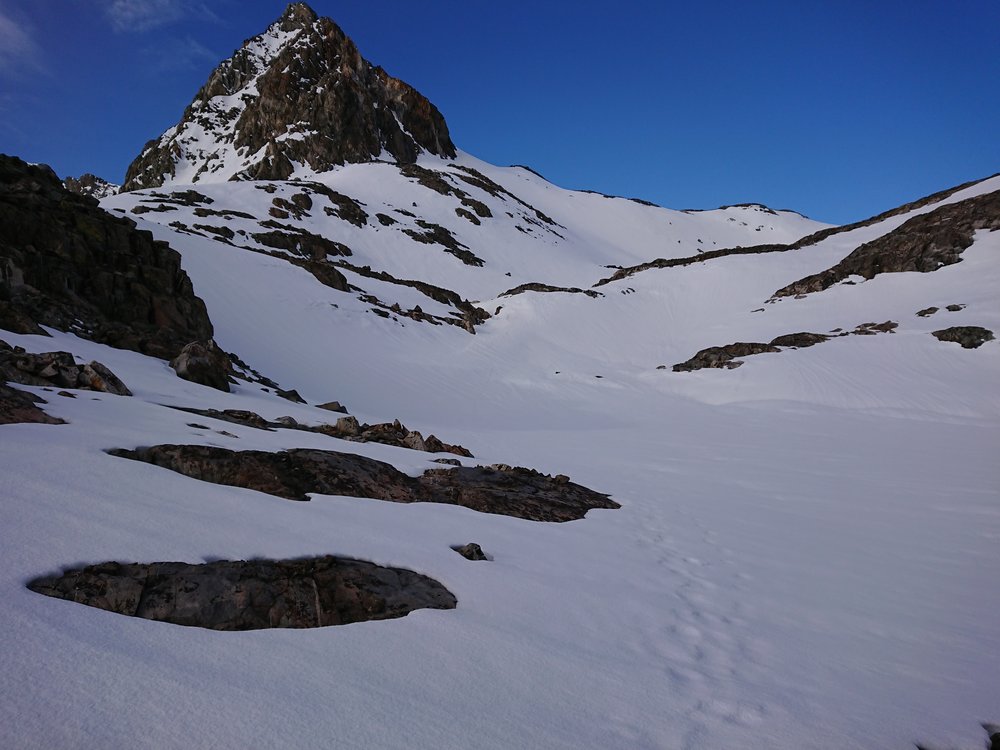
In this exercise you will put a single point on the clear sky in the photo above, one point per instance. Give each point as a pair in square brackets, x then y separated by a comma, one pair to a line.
[836, 109]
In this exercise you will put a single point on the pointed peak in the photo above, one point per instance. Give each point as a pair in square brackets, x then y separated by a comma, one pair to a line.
[298, 15]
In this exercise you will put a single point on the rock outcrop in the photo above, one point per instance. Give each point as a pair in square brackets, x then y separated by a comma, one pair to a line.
[924, 243]
[18, 407]
[725, 356]
[296, 473]
[91, 185]
[57, 369]
[67, 264]
[471, 551]
[298, 94]
[250, 594]
[970, 337]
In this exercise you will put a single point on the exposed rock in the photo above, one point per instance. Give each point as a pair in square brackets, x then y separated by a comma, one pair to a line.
[333, 406]
[799, 340]
[205, 363]
[296, 473]
[18, 407]
[346, 428]
[252, 594]
[924, 243]
[927, 312]
[91, 185]
[970, 337]
[303, 95]
[435, 234]
[301, 242]
[471, 551]
[806, 241]
[723, 356]
[954, 308]
[67, 264]
[535, 286]
[57, 369]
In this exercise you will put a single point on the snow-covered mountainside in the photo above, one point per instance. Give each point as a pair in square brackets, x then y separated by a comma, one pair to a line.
[765, 511]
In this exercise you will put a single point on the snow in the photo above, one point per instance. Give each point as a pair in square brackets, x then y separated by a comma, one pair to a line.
[806, 555]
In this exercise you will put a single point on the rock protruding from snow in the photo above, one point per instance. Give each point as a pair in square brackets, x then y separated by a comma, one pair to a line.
[924, 243]
[57, 369]
[970, 337]
[91, 185]
[205, 363]
[67, 264]
[297, 473]
[250, 594]
[296, 100]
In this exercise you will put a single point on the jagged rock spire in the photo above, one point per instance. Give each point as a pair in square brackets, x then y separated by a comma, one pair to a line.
[295, 100]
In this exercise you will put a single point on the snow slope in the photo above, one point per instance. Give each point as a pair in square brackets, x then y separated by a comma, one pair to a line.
[806, 556]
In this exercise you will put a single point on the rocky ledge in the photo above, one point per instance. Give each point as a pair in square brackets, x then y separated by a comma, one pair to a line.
[250, 594]
[295, 474]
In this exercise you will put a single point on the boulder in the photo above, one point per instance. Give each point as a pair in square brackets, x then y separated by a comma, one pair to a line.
[969, 337]
[250, 594]
[205, 363]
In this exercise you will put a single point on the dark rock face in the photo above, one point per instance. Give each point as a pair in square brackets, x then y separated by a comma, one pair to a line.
[57, 369]
[18, 407]
[925, 243]
[250, 595]
[91, 185]
[204, 362]
[293, 474]
[970, 337]
[302, 78]
[799, 340]
[471, 551]
[67, 264]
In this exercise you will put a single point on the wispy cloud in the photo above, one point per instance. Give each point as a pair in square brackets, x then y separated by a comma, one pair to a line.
[19, 52]
[183, 53]
[142, 15]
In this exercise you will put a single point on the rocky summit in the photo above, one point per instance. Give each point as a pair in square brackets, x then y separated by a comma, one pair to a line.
[297, 99]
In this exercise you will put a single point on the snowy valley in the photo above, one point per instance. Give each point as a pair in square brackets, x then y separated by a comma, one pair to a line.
[764, 505]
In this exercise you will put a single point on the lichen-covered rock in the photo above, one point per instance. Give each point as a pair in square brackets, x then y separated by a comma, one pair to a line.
[250, 594]
[205, 363]
[970, 337]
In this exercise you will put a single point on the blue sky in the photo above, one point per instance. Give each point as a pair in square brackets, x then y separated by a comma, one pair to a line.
[836, 109]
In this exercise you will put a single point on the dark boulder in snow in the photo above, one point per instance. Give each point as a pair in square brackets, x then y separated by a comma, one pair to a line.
[252, 594]
[204, 362]
[471, 551]
[297, 473]
[723, 356]
[970, 337]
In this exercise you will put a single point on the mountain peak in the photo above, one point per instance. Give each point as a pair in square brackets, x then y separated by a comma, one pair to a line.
[295, 100]
[298, 15]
